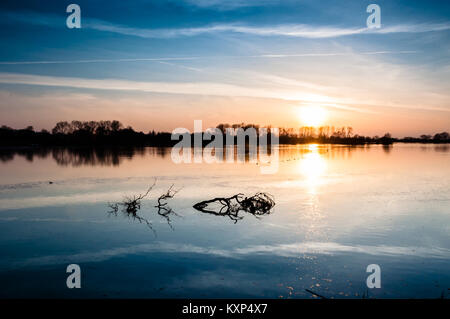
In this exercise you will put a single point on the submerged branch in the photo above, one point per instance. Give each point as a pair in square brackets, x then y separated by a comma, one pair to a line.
[164, 210]
[130, 210]
[130, 206]
[257, 205]
[133, 204]
[169, 194]
[315, 294]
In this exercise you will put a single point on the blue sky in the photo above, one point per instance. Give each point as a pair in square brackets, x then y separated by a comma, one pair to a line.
[162, 64]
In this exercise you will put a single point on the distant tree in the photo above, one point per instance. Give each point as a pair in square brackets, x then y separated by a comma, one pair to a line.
[339, 133]
[349, 131]
[425, 137]
[103, 128]
[223, 126]
[62, 128]
[444, 136]
[90, 126]
[321, 131]
[116, 125]
[76, 126]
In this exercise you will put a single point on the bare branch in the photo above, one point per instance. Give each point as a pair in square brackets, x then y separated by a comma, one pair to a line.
[166, 211]
[131, 206]
[257, 205]
[169, 194]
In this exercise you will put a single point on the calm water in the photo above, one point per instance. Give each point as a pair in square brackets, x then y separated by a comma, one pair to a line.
[338, 209]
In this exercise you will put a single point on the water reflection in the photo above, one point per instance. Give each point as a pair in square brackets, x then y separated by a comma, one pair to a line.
[313, 156]
[387, 148]
[442, 148]
[81, 156]
[339, 208]
[312, 167]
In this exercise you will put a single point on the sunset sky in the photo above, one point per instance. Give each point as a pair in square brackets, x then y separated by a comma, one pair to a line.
[163, 64]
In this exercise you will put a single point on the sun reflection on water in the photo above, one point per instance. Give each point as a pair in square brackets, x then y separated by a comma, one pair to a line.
[312, 166]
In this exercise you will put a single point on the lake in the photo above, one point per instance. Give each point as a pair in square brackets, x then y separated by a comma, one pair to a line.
[337, 210]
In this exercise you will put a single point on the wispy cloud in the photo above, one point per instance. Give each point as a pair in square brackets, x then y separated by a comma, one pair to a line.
[287, 90]
[287, 30]
[415, 28]
[189, 88]
[303, 31]
[229, 4]
[201, 88]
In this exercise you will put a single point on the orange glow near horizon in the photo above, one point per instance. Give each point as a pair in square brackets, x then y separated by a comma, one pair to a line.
[312, 115]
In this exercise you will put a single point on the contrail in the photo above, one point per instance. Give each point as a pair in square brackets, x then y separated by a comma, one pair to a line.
[95, 61]
[163, 59]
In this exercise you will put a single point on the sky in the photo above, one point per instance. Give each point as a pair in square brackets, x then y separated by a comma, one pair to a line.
[163, 64]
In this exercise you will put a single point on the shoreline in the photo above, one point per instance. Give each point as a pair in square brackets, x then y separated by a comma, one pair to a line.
[123, 146]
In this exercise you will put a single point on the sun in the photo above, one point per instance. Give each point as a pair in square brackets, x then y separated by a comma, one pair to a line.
[312, 115]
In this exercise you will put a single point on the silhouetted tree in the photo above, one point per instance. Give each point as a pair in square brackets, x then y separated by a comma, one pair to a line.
[62, 128]
[444, 136]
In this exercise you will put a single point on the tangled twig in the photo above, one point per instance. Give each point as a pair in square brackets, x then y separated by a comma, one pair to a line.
[257, 205]
[130, 206]
[169, 194]
[164, 210]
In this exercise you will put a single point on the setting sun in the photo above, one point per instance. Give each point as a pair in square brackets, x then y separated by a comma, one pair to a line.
[312, 115]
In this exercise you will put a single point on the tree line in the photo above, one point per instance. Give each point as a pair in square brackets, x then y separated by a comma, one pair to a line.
[114, 133]
[338, 135]
[89, 133]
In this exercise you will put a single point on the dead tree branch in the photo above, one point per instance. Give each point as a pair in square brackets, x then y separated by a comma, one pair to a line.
[315, 294]
[131, 205]
[169, 194]
[164, 210]
[256, 205]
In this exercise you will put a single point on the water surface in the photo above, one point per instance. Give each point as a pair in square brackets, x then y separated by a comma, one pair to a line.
[338, 209]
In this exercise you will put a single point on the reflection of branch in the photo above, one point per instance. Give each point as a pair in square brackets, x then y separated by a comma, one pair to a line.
[129, 212]
[166, 211]
[257, 205]
[169, 194]
[131, 206]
